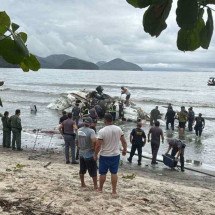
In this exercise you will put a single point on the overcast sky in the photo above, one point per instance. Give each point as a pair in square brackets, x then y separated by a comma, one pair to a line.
[97, 30]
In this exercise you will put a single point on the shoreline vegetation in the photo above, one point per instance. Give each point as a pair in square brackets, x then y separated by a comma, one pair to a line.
[39, 182]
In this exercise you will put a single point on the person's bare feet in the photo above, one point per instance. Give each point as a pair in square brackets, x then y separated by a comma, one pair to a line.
[95, 188]
[99, 190]
[83, 185]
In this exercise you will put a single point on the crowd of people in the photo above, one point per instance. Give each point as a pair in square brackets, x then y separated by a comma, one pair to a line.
[183, 116]
[106, 143]
[78, 129]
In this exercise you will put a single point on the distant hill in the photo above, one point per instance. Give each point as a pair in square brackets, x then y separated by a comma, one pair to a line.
[101, 63]
[44, 63]
[119, 64]
[57, 59]
[4, 64]
[62, 61]
[78, 64]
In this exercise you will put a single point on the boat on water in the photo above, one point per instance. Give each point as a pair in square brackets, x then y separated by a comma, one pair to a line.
[211, 81]
[67, 102]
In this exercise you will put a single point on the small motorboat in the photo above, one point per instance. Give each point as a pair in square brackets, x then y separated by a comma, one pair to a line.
[211, 81]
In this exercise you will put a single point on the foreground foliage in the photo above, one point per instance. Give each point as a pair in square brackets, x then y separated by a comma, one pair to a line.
[13, 47]
[195, 32]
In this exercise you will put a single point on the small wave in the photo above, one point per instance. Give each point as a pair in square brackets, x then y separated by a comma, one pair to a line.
[174, 103]
[4, 89]
[112, 86]
[36, 92]
[27, 102]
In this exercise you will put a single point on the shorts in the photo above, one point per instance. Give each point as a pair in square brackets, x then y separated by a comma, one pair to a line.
[108, 163]
[88, 164]
[128, 97]
[182, 124]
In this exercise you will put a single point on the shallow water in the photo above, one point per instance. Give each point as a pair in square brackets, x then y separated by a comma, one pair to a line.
[147, 88]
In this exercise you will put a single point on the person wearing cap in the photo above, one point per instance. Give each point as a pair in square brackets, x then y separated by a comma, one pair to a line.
[154, 115]
[199, 125]
[125, 91]
[67, 129]
[177, 147]
[190, 118]
[138, 140]
[86, 140]
[108, 145]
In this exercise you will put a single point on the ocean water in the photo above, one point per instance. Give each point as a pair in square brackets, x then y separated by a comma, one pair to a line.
[147, 88]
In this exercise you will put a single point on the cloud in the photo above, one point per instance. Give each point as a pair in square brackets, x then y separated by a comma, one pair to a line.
[100, 30]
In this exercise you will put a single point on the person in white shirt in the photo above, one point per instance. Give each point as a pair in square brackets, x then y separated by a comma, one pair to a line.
[109, 148]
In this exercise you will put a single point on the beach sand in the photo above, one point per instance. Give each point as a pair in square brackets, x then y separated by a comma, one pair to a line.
[27, 187]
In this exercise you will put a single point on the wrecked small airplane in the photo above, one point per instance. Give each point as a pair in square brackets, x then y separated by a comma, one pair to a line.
[83, 97]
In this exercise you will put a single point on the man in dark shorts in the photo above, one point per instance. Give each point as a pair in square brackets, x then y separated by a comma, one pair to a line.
[156, 133]
[177, 147]
[86, 139]
[138, 140]
[108, 146]
[182, 118]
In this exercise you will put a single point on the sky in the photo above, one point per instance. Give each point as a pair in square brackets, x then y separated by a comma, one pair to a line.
[96, 30]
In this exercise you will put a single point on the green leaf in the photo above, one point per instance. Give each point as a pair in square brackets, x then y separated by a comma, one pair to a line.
[190, 40]
[20, 43]
[10, 51]
[154, 19]
[187, 13]
[24, 67]
[31, 63]
[23, 35]
[14, 27]
[144, 3]
[207, 31]
[4, 22]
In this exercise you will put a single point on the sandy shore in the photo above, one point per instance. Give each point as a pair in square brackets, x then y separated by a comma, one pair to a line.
[27, 187]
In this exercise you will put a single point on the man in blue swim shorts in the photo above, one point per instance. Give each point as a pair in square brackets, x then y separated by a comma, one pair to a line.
[109, 148]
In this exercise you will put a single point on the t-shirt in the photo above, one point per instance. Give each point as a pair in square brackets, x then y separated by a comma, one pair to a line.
[110, 135]
[182, 116]
[84, 142]
[76, 111]
[176, 144]
[68, 126]
[191, 115]
[199, 121]
[156, 132]
[170, 115]
[93, 113]
[138, 134]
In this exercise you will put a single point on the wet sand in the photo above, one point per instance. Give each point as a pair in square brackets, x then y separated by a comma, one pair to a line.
[41, 183]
